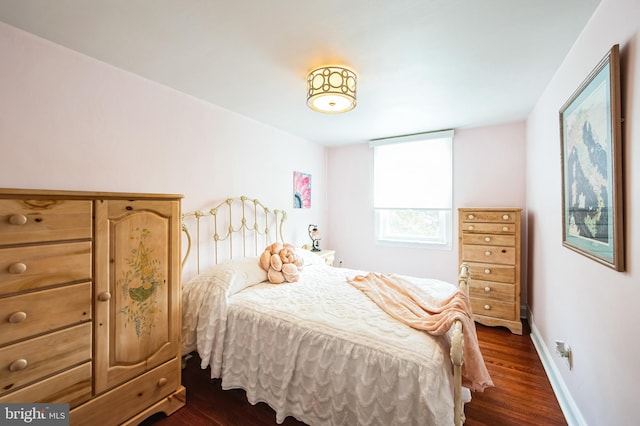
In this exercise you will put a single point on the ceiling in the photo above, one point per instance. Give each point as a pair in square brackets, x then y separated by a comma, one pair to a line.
[422, 65]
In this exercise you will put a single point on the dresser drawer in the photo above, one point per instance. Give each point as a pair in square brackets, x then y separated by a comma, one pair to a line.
[489, 228]
[38, 312]
[492, 254]
[72, 387]
[494, 309]
[492, 272]
[33, 267]
[116, 406]
[26, 362]
[489, 216]
[488, 239]
[32, 221]
[492, 290]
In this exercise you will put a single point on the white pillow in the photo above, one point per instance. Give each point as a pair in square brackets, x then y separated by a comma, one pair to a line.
[248, 270]
[236, 274]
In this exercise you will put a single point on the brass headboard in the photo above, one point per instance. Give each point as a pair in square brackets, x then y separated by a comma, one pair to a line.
[237, 227]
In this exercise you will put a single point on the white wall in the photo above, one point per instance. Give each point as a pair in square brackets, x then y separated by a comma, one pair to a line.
[489, 171]
[592, 307]
[70, 122]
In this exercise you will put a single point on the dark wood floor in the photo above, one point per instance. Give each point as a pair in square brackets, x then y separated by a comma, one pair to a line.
[522, 394]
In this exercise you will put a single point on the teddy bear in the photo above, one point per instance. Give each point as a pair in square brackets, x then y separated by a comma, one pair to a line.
[281, 263]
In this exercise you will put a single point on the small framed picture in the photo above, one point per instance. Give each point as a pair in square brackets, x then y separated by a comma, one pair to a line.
[301, 190]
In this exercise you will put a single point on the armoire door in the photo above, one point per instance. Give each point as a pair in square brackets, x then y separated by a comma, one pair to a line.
[136, 293]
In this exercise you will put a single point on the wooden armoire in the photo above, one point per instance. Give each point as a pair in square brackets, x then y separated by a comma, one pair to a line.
[90, 303]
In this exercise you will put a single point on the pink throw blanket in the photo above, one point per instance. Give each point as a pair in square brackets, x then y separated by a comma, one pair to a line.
[408, 303]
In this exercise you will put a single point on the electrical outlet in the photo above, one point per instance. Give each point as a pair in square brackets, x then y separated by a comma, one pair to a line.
[564, 351]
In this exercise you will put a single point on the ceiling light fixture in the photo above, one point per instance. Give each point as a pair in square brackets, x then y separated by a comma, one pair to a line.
[331, 89]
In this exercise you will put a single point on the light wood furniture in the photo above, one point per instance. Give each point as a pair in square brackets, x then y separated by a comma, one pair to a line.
[489, 243]
[90, 303]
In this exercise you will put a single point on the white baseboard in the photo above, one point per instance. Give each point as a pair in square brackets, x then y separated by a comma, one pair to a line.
[567, 404]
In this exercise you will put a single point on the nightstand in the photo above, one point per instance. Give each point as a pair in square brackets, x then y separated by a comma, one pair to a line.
[327, 255]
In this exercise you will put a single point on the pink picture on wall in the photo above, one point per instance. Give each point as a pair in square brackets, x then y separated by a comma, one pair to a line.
[301, 190]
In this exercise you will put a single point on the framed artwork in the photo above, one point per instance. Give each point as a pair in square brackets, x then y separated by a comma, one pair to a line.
[592, 178]
[301, 190]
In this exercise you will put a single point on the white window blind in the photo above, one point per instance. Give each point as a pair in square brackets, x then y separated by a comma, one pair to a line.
[413, 178]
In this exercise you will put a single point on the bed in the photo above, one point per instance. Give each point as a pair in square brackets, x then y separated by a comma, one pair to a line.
[318, 349]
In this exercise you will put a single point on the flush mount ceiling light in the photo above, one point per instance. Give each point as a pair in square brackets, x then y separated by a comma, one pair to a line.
[331, 89]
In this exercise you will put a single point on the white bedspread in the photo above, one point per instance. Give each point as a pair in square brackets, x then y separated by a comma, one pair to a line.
[319, 350]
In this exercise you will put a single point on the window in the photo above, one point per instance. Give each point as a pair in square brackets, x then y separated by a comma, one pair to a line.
[412, 186]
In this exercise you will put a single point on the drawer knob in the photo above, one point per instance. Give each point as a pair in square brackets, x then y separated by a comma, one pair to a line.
[487, 289]
[471, 216]
[505, 216]
[17, 317]
[18, 268]
[17, 219]
[487, 307]
[18, 364]
[487, 271]
[487, 239]
[163, 381]
[470, 228]
[505, 228]
[104, 297]
[487, 253]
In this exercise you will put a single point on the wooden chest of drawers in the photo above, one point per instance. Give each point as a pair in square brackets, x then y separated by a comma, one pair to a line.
[489, 242]
[73, 296]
